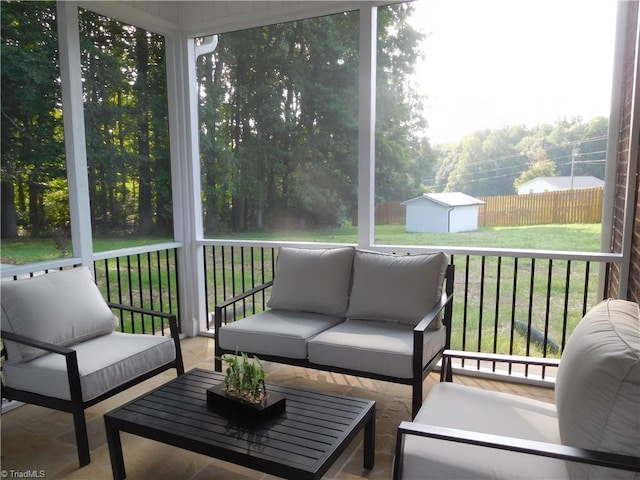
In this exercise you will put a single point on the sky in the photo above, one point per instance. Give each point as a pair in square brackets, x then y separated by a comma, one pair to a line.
[492, 63]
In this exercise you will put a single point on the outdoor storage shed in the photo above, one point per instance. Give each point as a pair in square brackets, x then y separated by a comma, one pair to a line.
[442, 212]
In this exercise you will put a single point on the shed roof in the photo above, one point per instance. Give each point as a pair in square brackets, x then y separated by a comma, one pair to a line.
[564, 183]
[448, 199]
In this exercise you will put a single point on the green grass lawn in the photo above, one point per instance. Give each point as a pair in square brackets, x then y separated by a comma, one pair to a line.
[573, 237]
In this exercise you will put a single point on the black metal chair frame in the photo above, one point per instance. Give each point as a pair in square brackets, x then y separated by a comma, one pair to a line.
[76, 405]
[444, 307]
[562, 452]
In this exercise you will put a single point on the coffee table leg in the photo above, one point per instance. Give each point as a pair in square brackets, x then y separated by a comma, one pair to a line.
[115, 451]
[370, 440]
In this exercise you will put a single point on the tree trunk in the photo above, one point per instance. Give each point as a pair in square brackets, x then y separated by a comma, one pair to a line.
[9, 220]
[145, 207]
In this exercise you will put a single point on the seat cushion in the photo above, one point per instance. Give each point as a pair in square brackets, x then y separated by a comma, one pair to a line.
[458, 406]
[385, 348]
[401, 288]
[598, 382]
[312, 280]
[275, 332]
[62, 308]
[104, 362]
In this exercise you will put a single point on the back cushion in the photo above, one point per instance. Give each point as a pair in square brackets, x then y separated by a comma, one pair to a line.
[598, 382]
[62, 308]
[400, 288]
[312, 280]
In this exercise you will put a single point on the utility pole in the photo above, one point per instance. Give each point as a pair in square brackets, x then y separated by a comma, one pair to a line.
[574, 154]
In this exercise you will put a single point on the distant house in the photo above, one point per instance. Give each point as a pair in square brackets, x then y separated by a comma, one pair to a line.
[442, 212]
[554, 184]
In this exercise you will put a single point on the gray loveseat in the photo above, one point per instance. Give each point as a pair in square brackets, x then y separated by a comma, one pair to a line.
[351, 311]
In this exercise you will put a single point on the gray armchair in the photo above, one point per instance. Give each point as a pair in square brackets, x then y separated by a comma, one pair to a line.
[62, 351]
[592, 430]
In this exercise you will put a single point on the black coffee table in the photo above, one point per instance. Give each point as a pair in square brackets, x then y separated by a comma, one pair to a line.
[300, 443]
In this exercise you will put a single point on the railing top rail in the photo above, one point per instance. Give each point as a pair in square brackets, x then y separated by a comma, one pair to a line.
[269, 243]
[489, 252]
[121, 252]
[507, 252]
[9, 271]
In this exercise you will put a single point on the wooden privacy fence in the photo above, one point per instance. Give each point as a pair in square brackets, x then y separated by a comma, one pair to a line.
[567, 206]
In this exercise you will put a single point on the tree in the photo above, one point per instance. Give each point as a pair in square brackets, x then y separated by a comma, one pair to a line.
[31, 142]
[279, 121]
[542, 168]
[491, 162]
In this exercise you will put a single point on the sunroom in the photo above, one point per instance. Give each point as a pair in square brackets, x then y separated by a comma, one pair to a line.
[276, 160]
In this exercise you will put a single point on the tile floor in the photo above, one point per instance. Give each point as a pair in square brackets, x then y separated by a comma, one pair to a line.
[41, 442]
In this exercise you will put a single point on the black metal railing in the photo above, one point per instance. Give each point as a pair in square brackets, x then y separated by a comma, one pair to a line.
[511, 302]
[144, 277]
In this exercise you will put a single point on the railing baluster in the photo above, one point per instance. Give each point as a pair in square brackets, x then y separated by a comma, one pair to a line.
[565, 316]
[466, 304]
[585, 299]
[514, 297]
[530, 314]
[160, 291]
[141, 292]
[547, 309]
[496, 318]
[205, 268]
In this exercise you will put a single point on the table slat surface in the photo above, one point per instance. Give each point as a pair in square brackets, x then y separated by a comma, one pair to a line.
[302, 442]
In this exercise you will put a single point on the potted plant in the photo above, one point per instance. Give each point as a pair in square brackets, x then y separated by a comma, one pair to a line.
[244, 379]
[243, 391]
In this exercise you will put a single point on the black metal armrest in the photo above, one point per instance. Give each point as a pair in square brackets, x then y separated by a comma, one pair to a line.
[551, 450]
[243, 296]
[145, 311]
[173, 327]
[502, 358]
[433, 313]
[173, 320]
[32, 342]
[70, 356]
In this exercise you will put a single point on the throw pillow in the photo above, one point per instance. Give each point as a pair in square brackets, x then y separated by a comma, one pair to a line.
[401, 288]
[61, 308]
[312, 280]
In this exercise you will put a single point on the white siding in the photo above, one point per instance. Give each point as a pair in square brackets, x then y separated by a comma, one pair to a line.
[464, 219]
[425, 216]
[537, 185]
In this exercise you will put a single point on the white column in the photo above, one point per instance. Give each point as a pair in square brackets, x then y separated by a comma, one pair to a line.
[74, 132]
[185, 177]
[366, 126]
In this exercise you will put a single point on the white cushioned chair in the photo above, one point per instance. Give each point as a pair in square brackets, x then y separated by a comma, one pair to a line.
[592, 430]
[62, 351]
